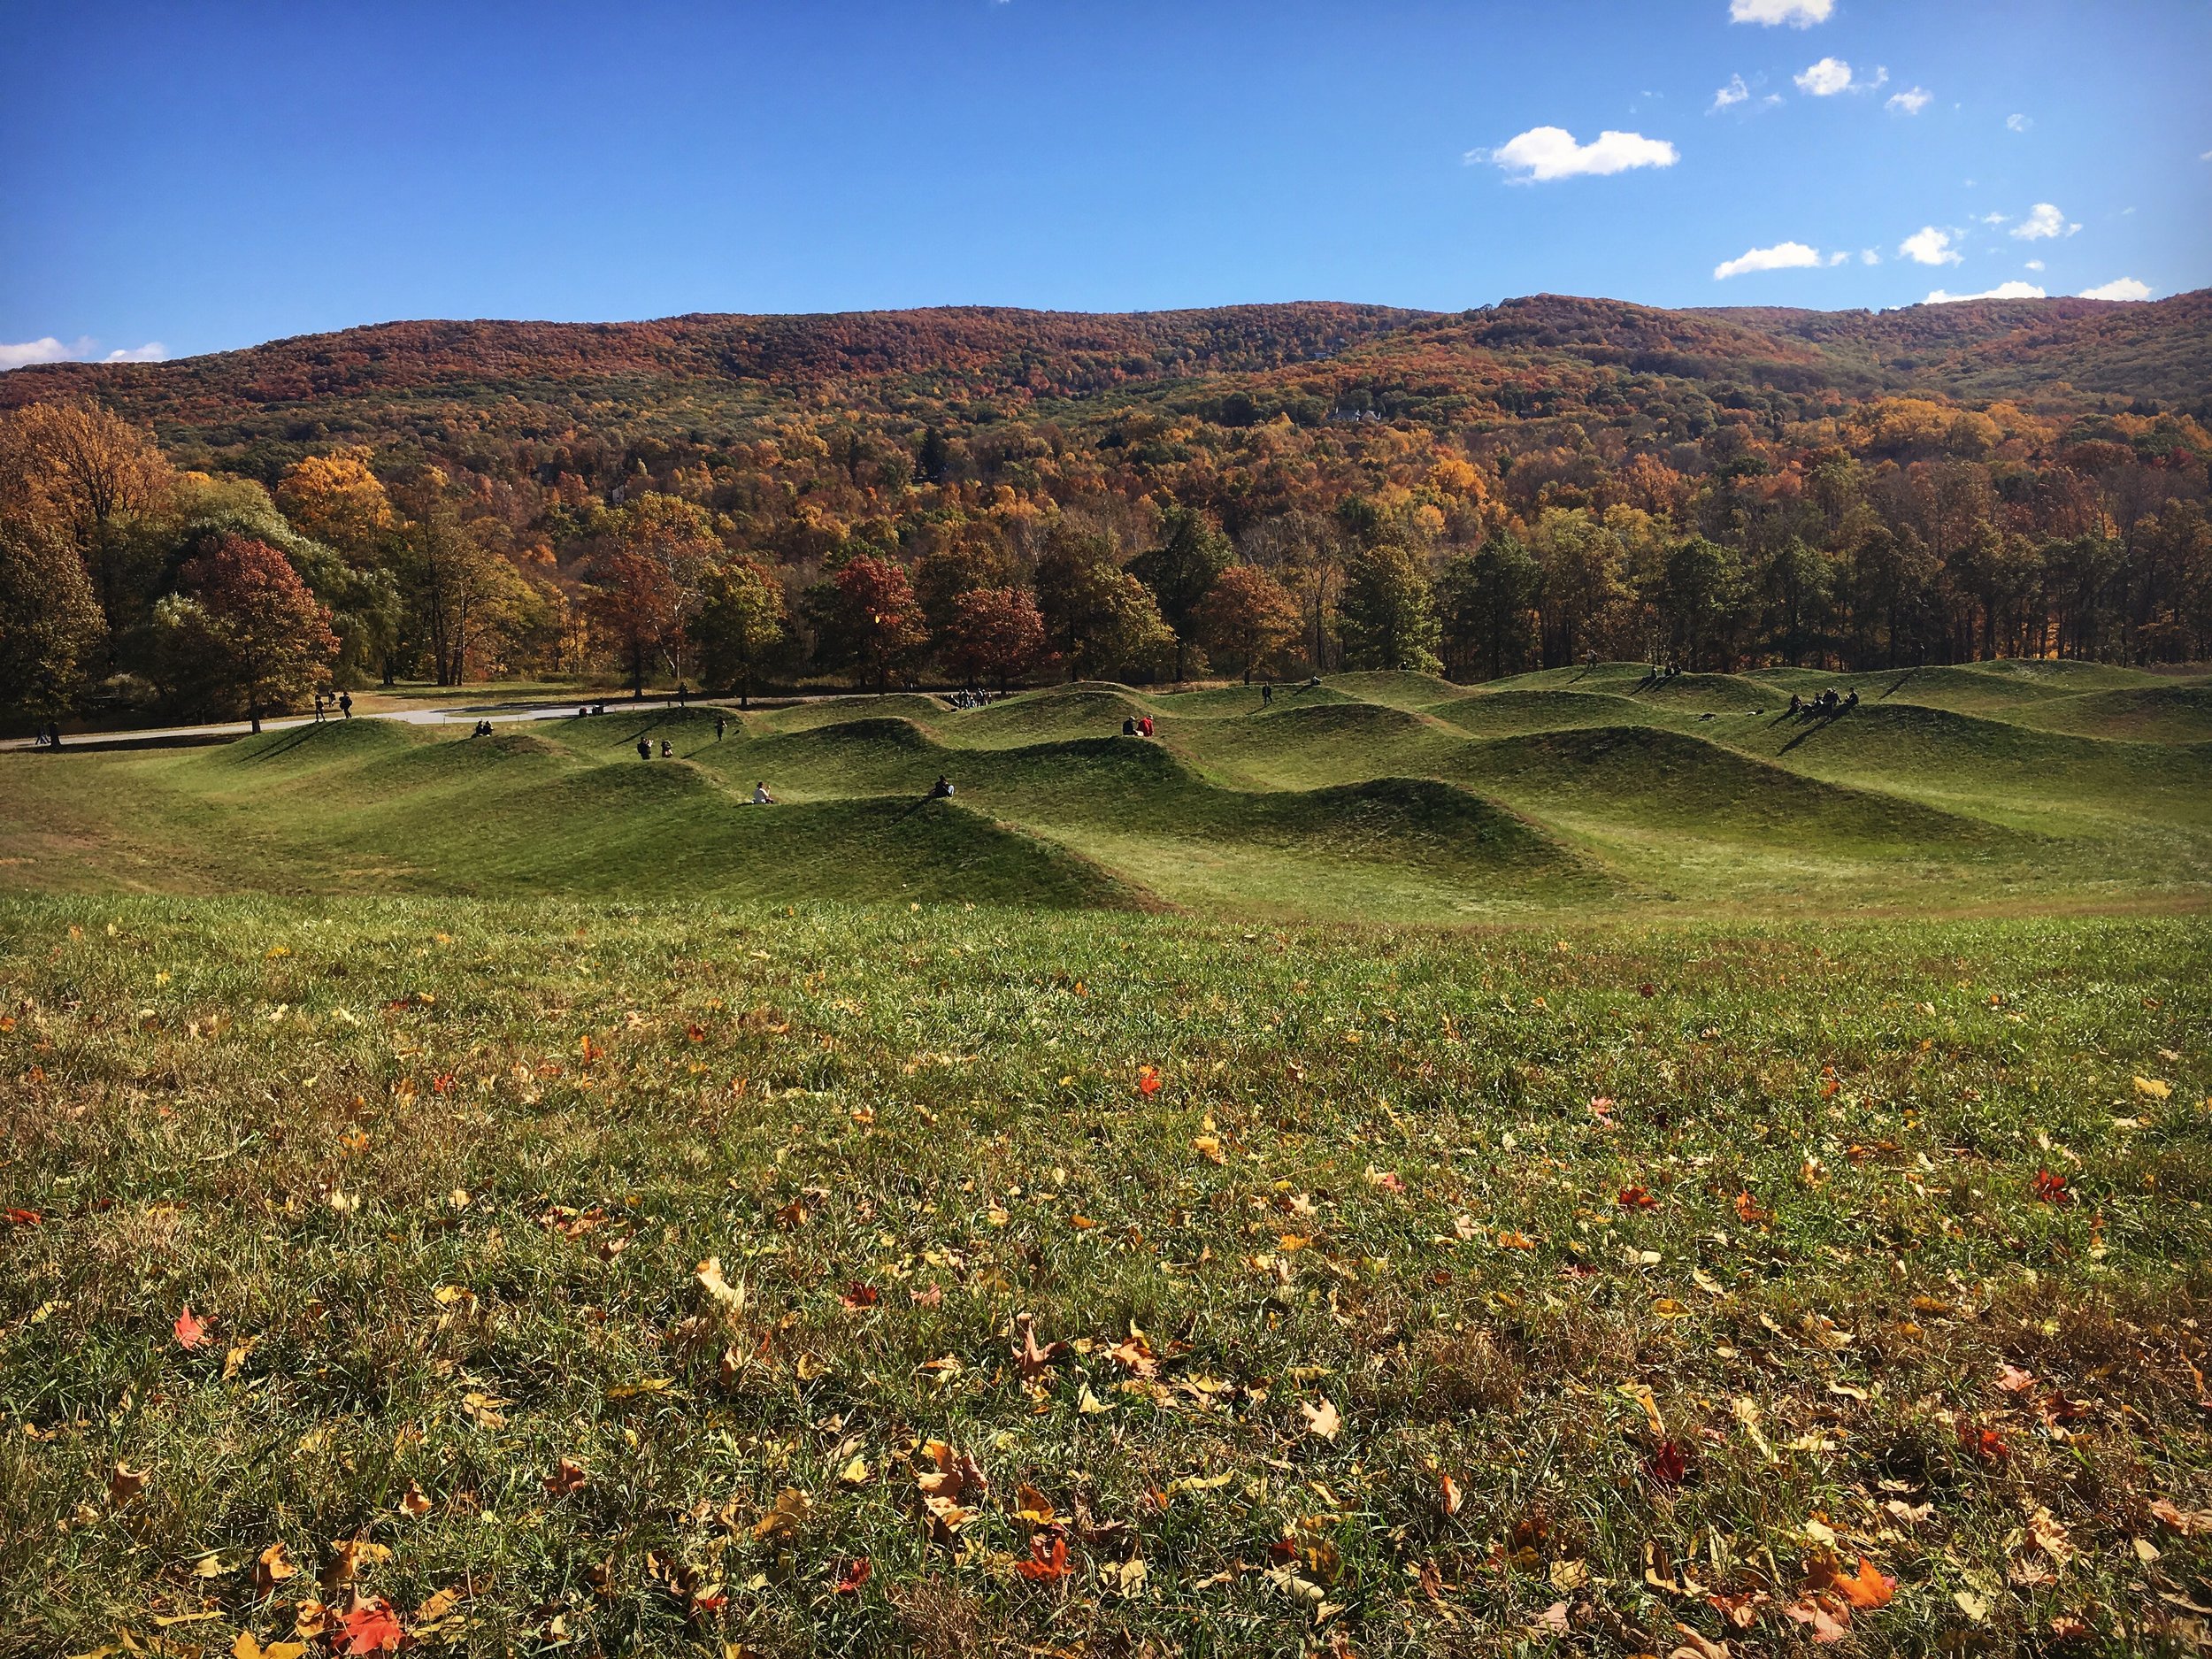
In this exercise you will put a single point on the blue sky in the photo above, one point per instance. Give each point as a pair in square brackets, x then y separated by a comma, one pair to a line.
[177, 179]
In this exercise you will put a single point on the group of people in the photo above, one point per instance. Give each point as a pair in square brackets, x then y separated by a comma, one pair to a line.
[343, 702]
[47, 736]
[585, 711]
[483, 729]
[1826, 703]
[1136, 725]
[969, 698]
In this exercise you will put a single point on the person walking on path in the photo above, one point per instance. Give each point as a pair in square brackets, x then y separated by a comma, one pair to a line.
[1267, 693]
[345, 703]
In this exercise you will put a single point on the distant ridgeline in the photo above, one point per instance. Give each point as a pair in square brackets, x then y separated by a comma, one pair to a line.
[980, 495]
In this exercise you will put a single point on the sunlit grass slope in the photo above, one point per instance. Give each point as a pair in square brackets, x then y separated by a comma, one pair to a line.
[1392, 797]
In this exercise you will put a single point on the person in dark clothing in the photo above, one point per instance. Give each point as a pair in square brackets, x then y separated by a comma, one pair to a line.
[1797, 703]
[345, 703]
[720, 726]
[1851, 700]
[682, 692]
[1267, 693]
[942, 790]
[667, 749]
[645, 748]
[1129, 725]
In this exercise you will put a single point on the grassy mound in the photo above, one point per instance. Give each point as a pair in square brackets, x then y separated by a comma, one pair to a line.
[1067, 711]
[1317, 744]
[1515, 712]
[2154, 714]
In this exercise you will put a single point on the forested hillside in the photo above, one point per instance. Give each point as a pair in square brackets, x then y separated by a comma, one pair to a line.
[987, 495]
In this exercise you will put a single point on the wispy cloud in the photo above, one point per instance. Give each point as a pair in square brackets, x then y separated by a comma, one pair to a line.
[1798, 14]
[1832, 75]
[2002, 291]
[1734, 93]
[1546, 153]
[1911, 101]
[2018, 123]
[2044, 223]
[1929, 246]
[2124, 287]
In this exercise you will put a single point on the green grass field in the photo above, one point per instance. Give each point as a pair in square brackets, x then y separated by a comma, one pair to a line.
[1574, 1166]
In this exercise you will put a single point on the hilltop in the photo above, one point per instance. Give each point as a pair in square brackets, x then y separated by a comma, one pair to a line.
[433, 379]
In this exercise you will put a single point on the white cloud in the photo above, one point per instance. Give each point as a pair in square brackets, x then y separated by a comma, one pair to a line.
[1929, 246]
[1798, 14]
[1911, 101]
[47, 350]
[1545, 153]
[1784, 256]
[1870, 255]
[1825, 79]
[2124, 287]
[84, 349]
[2035, 264]
[1831, 75]
[1734, 93]
[2044, 222]
[2002, 291]
[2018, 123]
[1993, 218]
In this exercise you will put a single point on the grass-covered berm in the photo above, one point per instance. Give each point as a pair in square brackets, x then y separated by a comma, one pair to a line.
[539, 1276]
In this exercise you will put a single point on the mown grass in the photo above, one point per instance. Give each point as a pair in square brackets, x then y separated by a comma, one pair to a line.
[1653, 1272]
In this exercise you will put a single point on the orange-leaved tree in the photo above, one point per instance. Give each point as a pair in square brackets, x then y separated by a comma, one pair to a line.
[1246, 619]
[994, 633]
[873, 620]
[263, 639]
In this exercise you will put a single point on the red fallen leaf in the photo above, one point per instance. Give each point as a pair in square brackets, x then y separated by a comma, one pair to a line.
[859, 1295]
[2051, 1189]
[1035, 1360]
[1148, 1080]
[855, 1575]
[1636, 1198]
[1748, 1211]
[697, 1033]
[1869, 1587]
[1667, 1463]
[1047, 1560]
[1830, 1623]
[1578, 1269]
[568, 1476]
[191, 1329]
[442, 1084]
[23, 1217]
[1646, 989]
[1282, 1550]
[1984, 1444]
[372, 1627]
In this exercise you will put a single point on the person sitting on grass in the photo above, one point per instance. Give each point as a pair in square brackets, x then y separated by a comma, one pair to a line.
[667, 749]
[645, 748]
[1129, 725]
[942, 790]
[1851, 700]
[761, 797]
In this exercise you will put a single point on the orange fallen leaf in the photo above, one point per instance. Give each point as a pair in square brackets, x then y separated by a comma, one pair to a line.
[1034, 1360]
[568, 1476]
[372, 1627]
[1148, 1080]
[855, 1574]
[190, 1328]
[1869, 1587]
[274, 1567]
[1322, 1417]
[126, 1484]
[1048, 1559]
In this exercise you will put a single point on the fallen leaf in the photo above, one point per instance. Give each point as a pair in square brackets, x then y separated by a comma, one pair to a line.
[1827, 1625]
[858, 1296]
[1450, 1494]
[855, 1573]
[2188, 1523]
[372, 1627]
[2153, 1087]
[1135, 1353]
[1321, 1417]
[1869, 1587]
[1551, 1621]
[568, 1476]
[855, 1473]
[1696, 1645]
[190, 1328]
[249, 1646]
[273, 1568]
[709, 1277]
[126, 1484]
[1034, 1361]
[349, 1559]
[412, 1502]
[1148, 1080]
[2012, 1380]
[1635, 1198]
[781, 1522]
[1047, 1558]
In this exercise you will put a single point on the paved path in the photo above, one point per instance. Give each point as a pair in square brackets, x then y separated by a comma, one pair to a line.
[154, 737]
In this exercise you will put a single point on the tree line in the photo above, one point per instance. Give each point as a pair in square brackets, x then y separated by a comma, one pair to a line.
[1155, 544]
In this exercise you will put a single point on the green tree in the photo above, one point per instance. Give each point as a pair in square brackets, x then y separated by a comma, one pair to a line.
[1180, 573]
[1388, 613]
[743, 621]
[1701, 604]
[1796, 584]
[1102, 620]
[1486, 602]
[51, 628]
